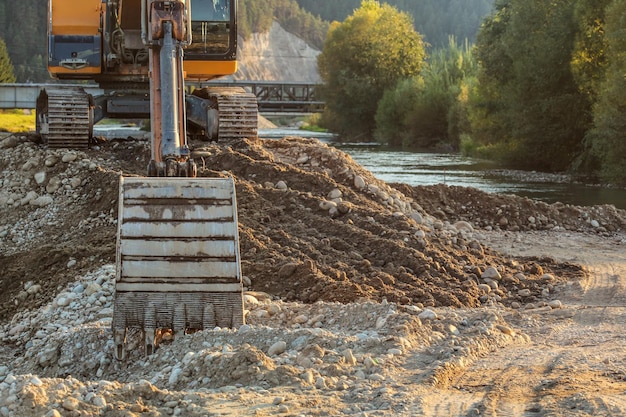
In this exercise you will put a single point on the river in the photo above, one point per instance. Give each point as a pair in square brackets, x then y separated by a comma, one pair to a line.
[414, 168]
[394, 165]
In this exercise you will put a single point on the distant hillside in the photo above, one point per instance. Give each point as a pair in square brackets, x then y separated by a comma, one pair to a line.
[435, 19]
[277, 55]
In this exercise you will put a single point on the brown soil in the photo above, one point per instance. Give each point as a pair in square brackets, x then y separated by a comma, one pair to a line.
[290, 247]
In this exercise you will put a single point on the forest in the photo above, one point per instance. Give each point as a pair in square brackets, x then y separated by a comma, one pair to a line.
[309, 19]
[543, 88]
[435, 20]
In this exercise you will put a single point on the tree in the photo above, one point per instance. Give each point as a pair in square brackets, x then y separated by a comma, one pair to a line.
[533, 108]
[589, 59]
[362, 57]
[7, 74]
[608, 137]
[425, 113]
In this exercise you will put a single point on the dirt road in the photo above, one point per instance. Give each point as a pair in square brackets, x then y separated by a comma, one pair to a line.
[574, 363]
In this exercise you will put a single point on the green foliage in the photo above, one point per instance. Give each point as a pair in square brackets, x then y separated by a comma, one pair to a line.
[23, 28]
[17, 121]
[6, 68]
[588, 59]
[363, 57]
[527, 97]
[608, 137]
[437, 20]
[430, 110]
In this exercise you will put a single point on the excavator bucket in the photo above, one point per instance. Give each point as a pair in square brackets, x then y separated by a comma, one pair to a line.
[178, 264]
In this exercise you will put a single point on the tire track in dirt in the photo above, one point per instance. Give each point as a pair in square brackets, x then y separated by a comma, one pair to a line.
[575, 361]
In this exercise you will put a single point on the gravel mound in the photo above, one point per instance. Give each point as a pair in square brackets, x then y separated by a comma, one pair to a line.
[344, 275]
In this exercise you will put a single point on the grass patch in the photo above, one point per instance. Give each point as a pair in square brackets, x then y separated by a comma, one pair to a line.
[17, 121]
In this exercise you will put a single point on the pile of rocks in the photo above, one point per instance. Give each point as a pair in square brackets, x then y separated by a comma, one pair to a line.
[58, 359]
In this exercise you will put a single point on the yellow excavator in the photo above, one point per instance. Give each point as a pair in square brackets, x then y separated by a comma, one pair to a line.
[178, 263]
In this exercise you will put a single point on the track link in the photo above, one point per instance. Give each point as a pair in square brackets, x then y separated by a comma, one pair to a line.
[66, 119]
[237, 111]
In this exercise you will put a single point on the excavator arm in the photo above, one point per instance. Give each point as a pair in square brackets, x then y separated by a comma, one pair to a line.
[178, 264]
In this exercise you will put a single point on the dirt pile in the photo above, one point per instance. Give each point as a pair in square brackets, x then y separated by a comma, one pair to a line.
[361, 296]
[314, 225]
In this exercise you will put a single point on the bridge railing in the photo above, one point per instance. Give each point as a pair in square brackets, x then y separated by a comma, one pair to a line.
[272, 97]
[24, 96]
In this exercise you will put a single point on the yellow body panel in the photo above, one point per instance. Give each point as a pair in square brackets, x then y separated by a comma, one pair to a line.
[63, 70]
[71, 17]
[207, 70]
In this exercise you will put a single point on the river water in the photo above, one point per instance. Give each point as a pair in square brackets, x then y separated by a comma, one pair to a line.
[394, 165]
[414, 168]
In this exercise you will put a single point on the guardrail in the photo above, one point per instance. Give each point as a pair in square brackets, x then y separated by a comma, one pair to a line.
[272, 97]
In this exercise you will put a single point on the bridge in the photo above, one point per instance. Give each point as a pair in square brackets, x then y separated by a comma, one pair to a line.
[273, 97]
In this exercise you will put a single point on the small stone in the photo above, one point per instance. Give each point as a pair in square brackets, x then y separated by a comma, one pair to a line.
[175, 375]
[334, 193]
[484, 288]
[70, 404]
[453, 329]
[524, 293]
[245, 328]
[278, 400]
[71, 263]
[33, 289]
[99, 401]
[42, 201]
[491, 273]
[277, 348]
[281, 185]
[273, 309]
[40, 177]
[69, 157]
[555, 304]
[369, 362]
[307, 377]
[320, 382]
[349, 358]
[8, 143]
[505, 330]
[427, 314]
[301, 319]
[359, 182]
[327, 205]
[250, 300]
[463, 226]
